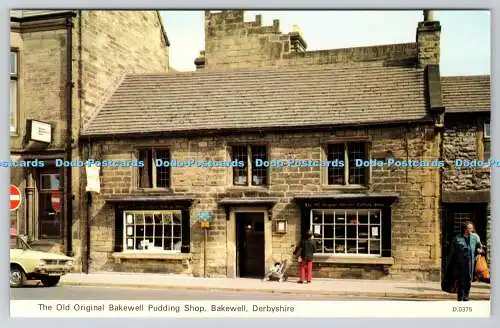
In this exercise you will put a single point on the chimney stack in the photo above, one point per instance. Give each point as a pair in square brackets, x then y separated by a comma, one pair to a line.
[428, 40]
[200, 61]
[297, 42]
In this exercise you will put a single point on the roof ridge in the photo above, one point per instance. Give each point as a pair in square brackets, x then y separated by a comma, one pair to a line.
[278, 68]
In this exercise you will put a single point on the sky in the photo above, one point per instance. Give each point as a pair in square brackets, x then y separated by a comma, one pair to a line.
[465, 35]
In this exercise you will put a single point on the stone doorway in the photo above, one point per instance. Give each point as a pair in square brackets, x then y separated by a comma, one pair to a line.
[454, 214]
[250, 245]
[257, 255]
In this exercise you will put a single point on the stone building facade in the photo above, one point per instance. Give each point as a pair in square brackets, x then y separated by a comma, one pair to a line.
[230, 42]
[374, 103]
[51, 100]
[467, 148]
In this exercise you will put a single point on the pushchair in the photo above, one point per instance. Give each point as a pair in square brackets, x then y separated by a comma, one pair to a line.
[278, 272]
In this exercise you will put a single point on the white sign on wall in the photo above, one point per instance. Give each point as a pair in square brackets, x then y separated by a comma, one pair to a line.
[93, 181]
[40, 131]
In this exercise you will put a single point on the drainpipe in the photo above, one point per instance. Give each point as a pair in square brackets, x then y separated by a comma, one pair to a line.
[69, 133]
[87, 221]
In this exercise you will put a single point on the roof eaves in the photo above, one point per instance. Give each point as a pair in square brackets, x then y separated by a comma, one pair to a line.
[221, 131]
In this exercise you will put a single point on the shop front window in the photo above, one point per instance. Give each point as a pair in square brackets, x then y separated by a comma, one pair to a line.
[347, 231]
[152, 231]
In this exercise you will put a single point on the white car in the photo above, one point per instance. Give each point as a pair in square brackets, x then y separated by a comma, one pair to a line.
[28, 264]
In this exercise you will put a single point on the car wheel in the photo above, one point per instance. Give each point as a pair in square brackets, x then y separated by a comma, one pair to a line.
[50, 281]
[17, 277]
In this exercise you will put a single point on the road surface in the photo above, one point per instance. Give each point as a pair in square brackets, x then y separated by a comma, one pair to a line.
[119, 293]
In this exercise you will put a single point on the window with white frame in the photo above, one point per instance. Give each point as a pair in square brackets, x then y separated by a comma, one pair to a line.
[14, 75]
[347, 231]
[486, 141]
[151, 175]
[347, 153]
[153, 231]
[250, 174]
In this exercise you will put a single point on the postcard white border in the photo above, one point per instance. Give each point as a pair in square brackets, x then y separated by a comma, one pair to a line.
[261, 4]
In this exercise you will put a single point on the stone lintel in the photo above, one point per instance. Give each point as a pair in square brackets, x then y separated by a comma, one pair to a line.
[466, 196]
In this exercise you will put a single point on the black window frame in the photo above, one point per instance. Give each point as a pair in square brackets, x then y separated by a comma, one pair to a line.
[486, 140]
[349, 164]
[14, 77]
[149, 164]
[252, 172]
[120, 227]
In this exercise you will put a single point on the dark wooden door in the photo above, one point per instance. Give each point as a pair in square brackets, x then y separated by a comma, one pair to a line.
[50, 224]
[250, 244]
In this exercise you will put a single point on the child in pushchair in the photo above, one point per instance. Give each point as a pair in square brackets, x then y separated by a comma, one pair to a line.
[277, 272]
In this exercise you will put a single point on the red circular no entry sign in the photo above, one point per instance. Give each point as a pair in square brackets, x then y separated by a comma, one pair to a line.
[56, 201]
[15, 197]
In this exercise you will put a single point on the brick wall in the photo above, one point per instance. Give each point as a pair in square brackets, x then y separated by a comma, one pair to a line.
[415, 220]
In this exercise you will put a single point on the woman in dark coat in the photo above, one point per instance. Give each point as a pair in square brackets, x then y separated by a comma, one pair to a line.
[459, 270]
[306, 248]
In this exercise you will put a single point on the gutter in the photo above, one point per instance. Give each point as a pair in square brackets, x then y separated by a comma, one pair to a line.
[237, 131]
[54, 15]
[69, 134]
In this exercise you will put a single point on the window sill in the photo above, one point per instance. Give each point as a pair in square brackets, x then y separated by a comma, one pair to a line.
[354, 260]
[153, 190]
[345, 187]
[151, 256]
[248, 188]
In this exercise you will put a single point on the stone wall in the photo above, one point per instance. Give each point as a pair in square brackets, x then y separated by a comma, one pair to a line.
[230, 42]
[42, 78]
[114, 43]
[106, 45]
[462, 141]
[415, 219]
[402, 54]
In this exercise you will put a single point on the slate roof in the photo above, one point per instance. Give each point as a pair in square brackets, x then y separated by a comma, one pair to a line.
[462, 94]
[261, 98]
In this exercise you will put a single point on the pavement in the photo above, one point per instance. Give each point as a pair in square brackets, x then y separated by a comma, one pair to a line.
[325, 287]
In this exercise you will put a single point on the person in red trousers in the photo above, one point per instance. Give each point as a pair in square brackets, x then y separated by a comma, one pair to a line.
[306, 249]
